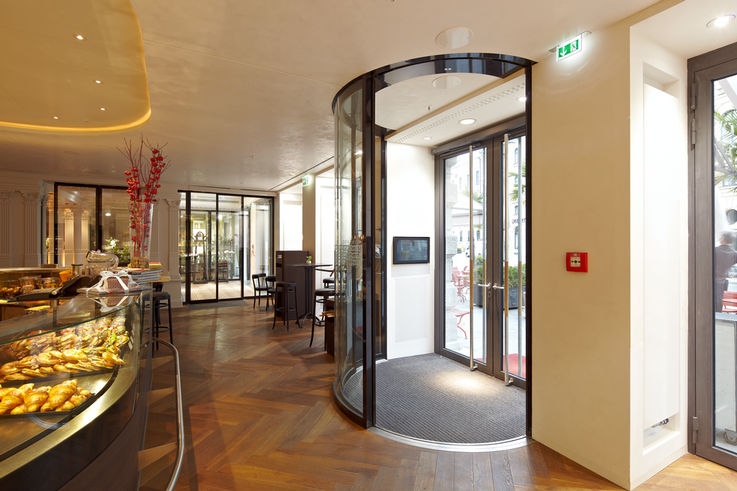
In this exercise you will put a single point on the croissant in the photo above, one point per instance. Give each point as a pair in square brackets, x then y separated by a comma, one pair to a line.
[10, 400]
[60, 368]
[9, 368]
[17, 376]
[36, 398]
[28, 362]
[32, 373]
[66, 406]
[19, 409]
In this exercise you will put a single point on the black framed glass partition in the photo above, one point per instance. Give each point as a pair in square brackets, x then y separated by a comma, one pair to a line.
[86, 217]
[223, 240]
[361, 196]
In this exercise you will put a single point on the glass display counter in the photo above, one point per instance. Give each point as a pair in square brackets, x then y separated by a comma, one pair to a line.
[73, 383]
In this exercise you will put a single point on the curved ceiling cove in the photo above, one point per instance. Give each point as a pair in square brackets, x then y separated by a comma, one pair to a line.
[73, 66]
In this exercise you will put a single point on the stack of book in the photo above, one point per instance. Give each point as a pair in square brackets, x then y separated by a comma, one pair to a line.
[143, 276]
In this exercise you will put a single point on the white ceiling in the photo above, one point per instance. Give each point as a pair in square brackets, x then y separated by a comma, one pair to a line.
[242, 89]
[495, 101]
[683, 30]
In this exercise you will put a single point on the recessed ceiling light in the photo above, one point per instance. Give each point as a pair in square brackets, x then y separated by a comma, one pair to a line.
[103, 109]
[454, 37]
[55, 117]
[98, 82]
[107, 214]
[427, 138]
[720, 21]
[467, 121]
[446, 82]
[79, 37]
[523, 99]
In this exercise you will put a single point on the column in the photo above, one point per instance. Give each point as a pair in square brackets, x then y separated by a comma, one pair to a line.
[32, 229]
[5, 231]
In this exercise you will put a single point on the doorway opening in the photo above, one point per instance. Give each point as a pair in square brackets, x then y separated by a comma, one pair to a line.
[224, 240]
[429, 344]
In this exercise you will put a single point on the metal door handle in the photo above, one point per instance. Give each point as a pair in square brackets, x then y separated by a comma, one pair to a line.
[497, 287]
[487, 285]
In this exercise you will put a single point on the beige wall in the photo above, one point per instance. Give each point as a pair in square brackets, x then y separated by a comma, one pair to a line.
[580, 184]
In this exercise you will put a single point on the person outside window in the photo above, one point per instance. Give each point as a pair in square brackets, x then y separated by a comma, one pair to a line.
[724, 258]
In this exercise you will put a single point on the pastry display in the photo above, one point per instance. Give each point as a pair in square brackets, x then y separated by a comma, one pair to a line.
[89, 347]
[107, 331]
[27, 399]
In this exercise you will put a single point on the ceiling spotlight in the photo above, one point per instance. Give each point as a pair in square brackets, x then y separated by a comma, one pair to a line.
[454, 37]
[79, 37]
[427, 138]
[55, 117]
[720, 21]
[467, 121]
[523, 98]
[98, 82]
[107, 214]
[103, 109]
[446, 82]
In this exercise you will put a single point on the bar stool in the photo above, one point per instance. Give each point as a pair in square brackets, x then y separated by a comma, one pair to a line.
[324, 294]
[283, 289]
[162, 299]
[328, 282]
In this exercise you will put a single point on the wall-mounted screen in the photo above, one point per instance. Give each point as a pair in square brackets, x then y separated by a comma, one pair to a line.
[411, 250]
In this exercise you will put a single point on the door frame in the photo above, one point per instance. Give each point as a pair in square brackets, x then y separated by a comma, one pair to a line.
[243, 262]
[490, 139]
[702, 70]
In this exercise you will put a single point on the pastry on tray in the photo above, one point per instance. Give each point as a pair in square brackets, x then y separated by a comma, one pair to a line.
[27, 399]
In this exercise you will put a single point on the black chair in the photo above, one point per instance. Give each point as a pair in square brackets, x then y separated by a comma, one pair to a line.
[270, 290]
[284, 290]
[259, 286]
[323, 294]
[328, 282]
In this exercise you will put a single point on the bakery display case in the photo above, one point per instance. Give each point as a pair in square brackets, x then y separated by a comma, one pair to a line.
[73, 385]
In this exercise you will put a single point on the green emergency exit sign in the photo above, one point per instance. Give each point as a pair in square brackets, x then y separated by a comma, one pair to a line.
[568, 48]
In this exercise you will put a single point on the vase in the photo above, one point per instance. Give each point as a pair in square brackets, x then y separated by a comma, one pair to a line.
[141, 221]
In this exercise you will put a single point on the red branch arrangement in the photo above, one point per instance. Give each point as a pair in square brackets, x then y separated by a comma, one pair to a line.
[143, 185]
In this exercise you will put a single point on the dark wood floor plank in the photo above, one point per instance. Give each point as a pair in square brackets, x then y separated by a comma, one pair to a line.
[482, 480]
[259, 414]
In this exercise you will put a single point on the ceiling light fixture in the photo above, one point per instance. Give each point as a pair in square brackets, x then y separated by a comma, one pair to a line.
[79, 37]
[98, 82]
[721, 21]
[454, 37]
[467, 121]
[446, 82]
[427, 138]
[103, 109]
[55, 117]
[107, 214]
[523, 98]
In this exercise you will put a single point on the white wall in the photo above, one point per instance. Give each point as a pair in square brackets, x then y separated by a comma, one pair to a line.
[410, 207]
[658, 256]
[580, 202]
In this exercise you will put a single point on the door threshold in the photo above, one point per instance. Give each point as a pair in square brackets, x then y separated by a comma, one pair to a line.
[452, 447]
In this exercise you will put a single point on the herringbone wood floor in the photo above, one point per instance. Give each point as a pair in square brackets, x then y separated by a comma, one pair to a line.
[260, 415]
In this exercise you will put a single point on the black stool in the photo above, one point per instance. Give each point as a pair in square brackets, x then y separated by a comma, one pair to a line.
[328, 282]
[283, 289]
[324, 294]
[162, 299]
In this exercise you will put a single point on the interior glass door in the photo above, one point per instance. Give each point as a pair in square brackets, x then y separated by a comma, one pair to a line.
[203, 247]
[467, 290]
[714, 396]
[229, 247]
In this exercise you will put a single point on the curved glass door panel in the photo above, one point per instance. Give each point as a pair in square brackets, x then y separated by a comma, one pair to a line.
[349, 285]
